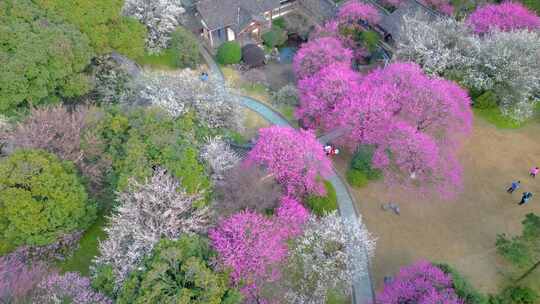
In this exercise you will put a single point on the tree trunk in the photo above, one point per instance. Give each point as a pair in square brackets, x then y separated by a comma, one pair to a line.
[523, 276]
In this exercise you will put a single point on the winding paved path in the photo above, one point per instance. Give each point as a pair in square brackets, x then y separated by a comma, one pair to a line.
[362, 286]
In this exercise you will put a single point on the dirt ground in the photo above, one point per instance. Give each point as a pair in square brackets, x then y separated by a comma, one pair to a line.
[460, 232]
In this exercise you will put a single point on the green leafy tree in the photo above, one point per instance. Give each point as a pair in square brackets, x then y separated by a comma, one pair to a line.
[185, 48]
[41, 57]
[179, 272]
[103, 23]
[533, 5]
[142, 139]
[275, 37]
[464, 289]
[370, 40]
[523, 251]
[40, 199]
[229, 53]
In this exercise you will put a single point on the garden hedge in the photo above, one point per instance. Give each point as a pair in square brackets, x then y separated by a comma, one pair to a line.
[361, 171]
[463, 287]
[321, 205]
[274, 37]
[185, 48]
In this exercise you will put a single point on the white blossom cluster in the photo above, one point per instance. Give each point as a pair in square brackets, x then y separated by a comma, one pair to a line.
[509, 64]
[219, 156]
[326, 257]
[436, 45]
[184, 90]
[506, 62]
[287, 95]
[113, 74]
[148, 212]
[161, 18]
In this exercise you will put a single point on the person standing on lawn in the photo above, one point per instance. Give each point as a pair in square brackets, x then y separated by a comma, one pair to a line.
[525, 198]
[515, 185]
[534, 171]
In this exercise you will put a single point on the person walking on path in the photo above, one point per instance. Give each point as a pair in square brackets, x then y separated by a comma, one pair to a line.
[204, 76]
[525, 198]
[534, 171]
[514, 186]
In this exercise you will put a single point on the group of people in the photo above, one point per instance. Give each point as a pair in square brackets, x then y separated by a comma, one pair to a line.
[526, 196]
[331, 150]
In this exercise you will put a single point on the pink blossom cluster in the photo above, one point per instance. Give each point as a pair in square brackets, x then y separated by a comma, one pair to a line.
[346, 23]
[295, 159]
[70, 286]
[421, 283]
[415, 122]
[324, 94]
[353, 11]
[17, 278]
[291, 215]
[25, 281]
[318, 53]
[343, 32]
[506, 16]
[253, 245]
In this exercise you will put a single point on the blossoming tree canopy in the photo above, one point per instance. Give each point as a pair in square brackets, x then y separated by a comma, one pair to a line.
[294, 157]
[318, 53]
[432, 105]
[354, 10]
[413, 159]
[421, 282]
[416, 122]
[324, 93]
[253, 245]
[292, 215]
[506, 16]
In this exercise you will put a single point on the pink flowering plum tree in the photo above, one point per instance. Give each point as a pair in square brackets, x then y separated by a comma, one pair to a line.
[353, 11]
[18, 278]
[421, 283]
[344, 31]
[253, 245]
[318, 53]
[329, 29]
[70, 287]
[323, 94]
[292, 215]
[416, 123]
[295, 159]
[412, 158]
[506, 16]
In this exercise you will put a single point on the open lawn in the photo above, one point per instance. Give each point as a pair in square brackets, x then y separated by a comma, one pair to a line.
[253, 122]
[461, 232]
